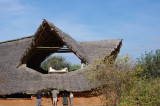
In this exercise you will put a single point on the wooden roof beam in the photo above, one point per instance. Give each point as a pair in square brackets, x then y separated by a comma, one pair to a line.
[52, 48]
[62, 51]
[40, 47]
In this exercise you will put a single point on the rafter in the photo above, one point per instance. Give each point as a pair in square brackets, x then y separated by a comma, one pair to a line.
[52, 48]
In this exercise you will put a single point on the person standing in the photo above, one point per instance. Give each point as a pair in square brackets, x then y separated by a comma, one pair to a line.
[71, 99]
[65, 98]
[38, 95]
[54, 95]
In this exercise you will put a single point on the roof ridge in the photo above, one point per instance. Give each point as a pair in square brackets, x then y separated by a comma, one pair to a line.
[98, 40]
[16, 39]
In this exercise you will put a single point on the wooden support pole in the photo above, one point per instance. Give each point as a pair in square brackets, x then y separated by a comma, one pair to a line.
[82, 65]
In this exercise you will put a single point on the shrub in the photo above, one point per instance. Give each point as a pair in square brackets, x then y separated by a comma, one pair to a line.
[144, 93]
[126, 82]
[113, 75]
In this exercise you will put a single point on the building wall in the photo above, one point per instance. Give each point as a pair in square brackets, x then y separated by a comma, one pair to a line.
[80, 99]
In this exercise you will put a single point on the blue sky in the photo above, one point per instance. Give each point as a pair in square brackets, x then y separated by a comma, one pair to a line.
[137, 22]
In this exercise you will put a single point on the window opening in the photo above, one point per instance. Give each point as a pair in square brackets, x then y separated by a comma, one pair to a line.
[60, 61]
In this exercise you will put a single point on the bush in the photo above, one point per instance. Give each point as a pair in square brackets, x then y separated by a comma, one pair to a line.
[144, 93]
[111, 76]
[126, 82]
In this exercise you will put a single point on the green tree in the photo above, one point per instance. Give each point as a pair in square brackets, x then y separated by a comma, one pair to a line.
[74, 67]
[150, 62]
[56, 62]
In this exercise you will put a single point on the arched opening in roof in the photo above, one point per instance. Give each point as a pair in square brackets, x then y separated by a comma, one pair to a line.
[60, 61]
[41, 54]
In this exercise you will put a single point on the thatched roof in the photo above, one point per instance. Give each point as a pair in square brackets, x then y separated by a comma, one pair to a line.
[21, 58]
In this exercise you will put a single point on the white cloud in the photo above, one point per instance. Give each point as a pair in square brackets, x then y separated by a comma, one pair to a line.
[17, 16]
[78, 31]
[12, 7]
[156, 39]
[6, 1]
[141, 48]
[15, 7]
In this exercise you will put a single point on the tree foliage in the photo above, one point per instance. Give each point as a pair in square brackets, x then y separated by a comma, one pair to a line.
[150, 62]
[74, 67]
[128, 82]
[56, 62]
[113, 77]
[143, 93]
